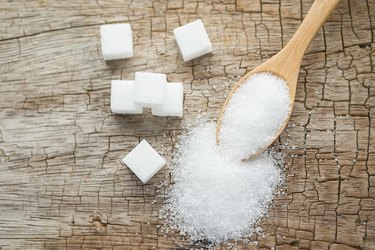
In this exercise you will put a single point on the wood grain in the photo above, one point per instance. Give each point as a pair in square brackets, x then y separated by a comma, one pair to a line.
[62, 185]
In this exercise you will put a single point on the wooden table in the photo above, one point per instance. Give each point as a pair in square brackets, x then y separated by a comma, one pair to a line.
[62, 185]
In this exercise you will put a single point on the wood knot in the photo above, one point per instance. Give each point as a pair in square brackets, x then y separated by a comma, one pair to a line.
[99, 225]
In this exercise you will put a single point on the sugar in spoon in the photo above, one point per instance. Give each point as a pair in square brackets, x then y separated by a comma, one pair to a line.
[286, 63]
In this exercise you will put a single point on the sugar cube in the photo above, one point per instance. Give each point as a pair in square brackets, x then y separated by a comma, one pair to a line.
[116, 41]
[144, 161]
[122, 98]
[192, 40]
[173, 103]
[149, 90]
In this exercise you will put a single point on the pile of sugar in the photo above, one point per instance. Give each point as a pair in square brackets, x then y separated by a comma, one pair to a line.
[257, 110]
[215, 198]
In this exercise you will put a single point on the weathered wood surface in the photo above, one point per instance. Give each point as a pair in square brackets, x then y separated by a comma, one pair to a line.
[62, 185]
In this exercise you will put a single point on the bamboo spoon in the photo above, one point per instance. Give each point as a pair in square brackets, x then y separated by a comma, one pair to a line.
[287, 62]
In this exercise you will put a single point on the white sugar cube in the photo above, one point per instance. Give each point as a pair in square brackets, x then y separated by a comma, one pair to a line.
[122, 98]
[149, 90]
[144, 161]
[173, 103]
[192, 40]
[116, 41]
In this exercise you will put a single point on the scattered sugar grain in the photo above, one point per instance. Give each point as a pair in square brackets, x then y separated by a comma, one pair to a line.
[257, 110]
[213, 197]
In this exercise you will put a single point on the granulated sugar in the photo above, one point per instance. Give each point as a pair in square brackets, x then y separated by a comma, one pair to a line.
[257, 110]
[215, 198]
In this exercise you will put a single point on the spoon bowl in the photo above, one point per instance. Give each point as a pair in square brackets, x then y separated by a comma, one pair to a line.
[286, 63]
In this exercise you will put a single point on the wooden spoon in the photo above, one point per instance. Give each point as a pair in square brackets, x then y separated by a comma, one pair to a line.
[287, 62]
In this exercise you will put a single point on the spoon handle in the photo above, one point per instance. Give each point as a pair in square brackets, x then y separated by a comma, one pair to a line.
[287, 62]
[315, 18]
